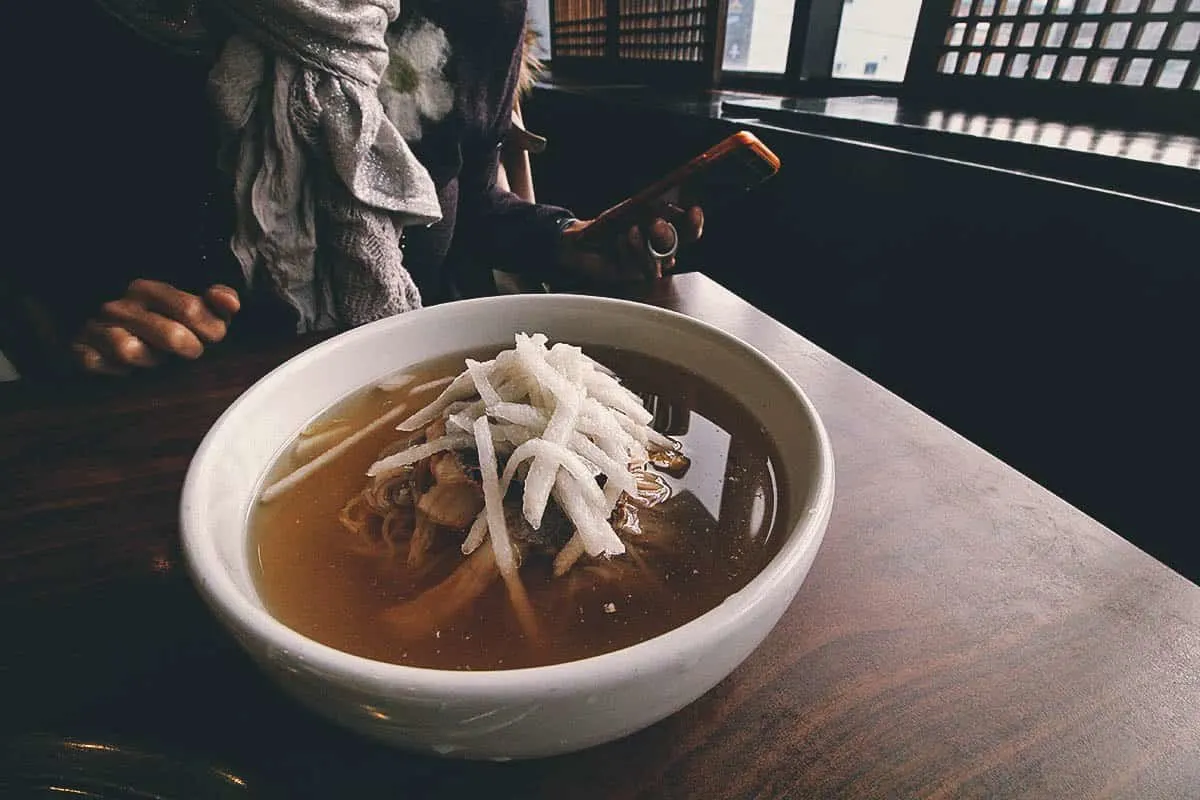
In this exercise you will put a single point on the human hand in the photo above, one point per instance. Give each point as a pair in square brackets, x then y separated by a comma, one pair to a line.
[640, 253]
[151, 322]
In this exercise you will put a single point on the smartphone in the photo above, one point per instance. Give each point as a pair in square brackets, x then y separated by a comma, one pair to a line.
[716, 176]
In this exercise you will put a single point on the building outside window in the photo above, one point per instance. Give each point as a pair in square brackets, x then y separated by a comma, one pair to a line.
[756, 35]
[875, 38]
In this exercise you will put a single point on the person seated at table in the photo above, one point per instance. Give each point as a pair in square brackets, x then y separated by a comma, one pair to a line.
[360, 146]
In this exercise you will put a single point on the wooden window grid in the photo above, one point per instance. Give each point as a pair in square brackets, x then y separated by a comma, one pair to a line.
[661, 31]
[1116, 63]
[652, 41]
[1137, 43]
[580, 29]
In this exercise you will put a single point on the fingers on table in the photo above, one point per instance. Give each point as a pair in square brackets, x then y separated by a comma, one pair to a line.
[223, 300]
[156, 330]
[171, 320]
[181, 307]
[90, 359]
[111, 349]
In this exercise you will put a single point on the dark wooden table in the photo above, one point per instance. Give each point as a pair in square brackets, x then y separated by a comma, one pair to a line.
[963, 633]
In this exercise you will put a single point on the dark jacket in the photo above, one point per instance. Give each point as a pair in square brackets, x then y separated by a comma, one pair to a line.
[130, 163]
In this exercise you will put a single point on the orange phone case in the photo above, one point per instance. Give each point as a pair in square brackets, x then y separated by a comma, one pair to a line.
[747, 162]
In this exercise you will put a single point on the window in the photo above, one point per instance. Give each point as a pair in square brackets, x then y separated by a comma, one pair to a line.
[1150, 43]
[871, 40]
[1011, 56]
[654, 30]
[1139, 43]
[757, 34]
[539, 21]
[581, 29]
[875, 37]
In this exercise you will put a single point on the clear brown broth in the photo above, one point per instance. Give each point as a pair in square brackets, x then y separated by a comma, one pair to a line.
[723, 513]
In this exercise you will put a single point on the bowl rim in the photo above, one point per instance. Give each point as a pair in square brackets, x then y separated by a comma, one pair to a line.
[230, 604]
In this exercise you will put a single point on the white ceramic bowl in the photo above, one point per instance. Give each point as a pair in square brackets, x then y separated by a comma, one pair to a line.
[517, 713]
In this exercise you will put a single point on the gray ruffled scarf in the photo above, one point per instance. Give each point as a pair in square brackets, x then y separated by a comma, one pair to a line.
[324, 184]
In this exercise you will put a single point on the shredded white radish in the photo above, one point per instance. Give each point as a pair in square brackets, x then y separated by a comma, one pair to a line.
[308, 447]
[599, 538]
[559, 456]
[339, 449]
[512, 434]
[460, 388]
[521, 414]
[463, 420]
[562, 419]
[562, 423]
[479, 376]
[429, 386]
[415, 453]
[613, 492]
[493, 500]
[477, 535]
[319, 426]
[394, 383]
[612, 394]
[571, 552]
[546, 461]
[604, 429]
[617, 476]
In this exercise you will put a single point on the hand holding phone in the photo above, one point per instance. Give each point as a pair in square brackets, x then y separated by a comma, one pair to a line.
[638, 237]
[716, 176]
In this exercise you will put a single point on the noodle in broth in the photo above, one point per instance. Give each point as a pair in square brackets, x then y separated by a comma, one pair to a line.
[335, 569]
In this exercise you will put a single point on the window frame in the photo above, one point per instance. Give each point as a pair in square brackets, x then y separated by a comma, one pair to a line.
[809, 69]
[1103, 104]
[813, 42]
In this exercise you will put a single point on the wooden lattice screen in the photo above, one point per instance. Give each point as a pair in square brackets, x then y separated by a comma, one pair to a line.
[651, 41]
